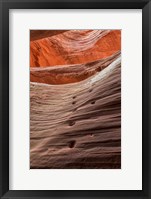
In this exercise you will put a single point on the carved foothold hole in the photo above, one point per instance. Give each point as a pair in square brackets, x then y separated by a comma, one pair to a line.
[73, 102]
[71, 123]
[72, 144]
[91, 135]
[90, 90]
[99, 69]
[93, 102]
[74, 97]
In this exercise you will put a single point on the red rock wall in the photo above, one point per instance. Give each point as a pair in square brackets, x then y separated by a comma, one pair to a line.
[65, 74]
[74, 47]
[75, 99]
[40, 34]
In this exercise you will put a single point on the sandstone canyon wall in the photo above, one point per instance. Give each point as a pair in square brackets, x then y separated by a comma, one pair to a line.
[75, 99]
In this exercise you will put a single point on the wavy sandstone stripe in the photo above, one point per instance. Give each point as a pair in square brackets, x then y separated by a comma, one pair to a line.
[69, 73]
[77, 125]
[74, 47]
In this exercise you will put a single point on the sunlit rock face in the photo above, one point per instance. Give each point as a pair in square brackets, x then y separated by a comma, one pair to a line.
[73, 47]
[75, 99]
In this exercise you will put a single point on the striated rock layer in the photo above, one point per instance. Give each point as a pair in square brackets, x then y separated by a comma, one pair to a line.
[40, 34]
[50, 48]
[69, 73]
[77, 125]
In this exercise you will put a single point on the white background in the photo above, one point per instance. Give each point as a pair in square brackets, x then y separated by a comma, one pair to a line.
[127, 178]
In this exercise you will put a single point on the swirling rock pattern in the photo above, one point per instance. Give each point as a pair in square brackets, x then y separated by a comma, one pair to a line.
[69, 73]
[75, 108]
[74, 47]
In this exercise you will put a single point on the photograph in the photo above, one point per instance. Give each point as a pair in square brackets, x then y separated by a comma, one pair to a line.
[75, 99]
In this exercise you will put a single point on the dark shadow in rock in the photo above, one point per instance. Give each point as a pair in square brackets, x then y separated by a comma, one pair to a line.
[93, 102]
[72, 144]
[71, 123]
